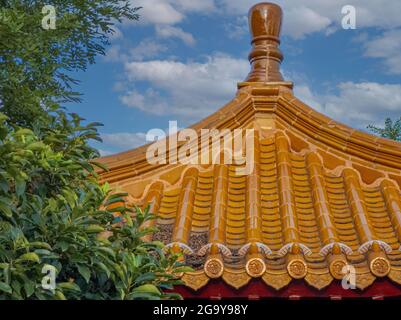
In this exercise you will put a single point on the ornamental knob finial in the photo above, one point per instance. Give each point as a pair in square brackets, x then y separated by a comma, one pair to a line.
[265, 57]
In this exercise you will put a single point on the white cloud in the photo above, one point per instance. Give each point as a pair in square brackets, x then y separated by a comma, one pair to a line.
[170, 11]
[158, 12]
[299, 21]
[238, 28]
[150, 101]
[194, 90]
[104, 153]
[356, 104]
[147, 48]
[114, 54]
[116, 34]
[175, 32]
[191, 90]
[388, 47]
[303, 20]
[195, 5]
[122, 140]
[303, 92]
[302, 17]
[165, 14]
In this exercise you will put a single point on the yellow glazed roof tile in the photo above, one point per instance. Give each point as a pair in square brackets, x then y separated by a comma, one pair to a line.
[320, 196]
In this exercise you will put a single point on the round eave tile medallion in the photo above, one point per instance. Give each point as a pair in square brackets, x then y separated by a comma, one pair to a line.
[214, 268]
[336, 268]
[255, 267]
[380, 267]
[297, 268]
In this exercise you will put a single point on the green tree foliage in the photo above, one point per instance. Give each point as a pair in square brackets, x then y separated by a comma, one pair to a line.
[53, 210]
[37, 63]
[391, 129]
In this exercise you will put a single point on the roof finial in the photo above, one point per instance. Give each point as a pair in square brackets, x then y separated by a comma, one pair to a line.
[265, 56]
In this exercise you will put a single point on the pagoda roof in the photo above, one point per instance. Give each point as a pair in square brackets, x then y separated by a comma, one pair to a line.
[322, 197]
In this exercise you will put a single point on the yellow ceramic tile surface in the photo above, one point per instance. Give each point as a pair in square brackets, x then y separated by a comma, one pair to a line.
[321, 195]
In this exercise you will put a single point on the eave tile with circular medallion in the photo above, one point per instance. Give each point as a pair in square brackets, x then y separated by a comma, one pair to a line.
[195, 280]
[297, 268]
[276, 280]
[318, 280]
[380, 267]
[236, 279]
[255, 267]
[214, 268]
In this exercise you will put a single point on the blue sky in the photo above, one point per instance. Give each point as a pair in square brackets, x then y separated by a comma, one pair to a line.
[183, 59]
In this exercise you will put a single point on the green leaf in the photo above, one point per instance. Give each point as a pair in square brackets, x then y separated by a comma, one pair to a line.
[145, 277]
[38, 244]
[100, 165]
[104, 268]
[158, 244]
[36, 146]
[63, 245]
[172, 296]
[109, 251]
[5, 288]
[94, 228]
[147, 288]
[183, 269]
[120, 195]
[118, 209]
[20, 185]
[59, 295]
[119, 271]
[16, 286]
[84, 272]
[6, 210]
[29, 287]
[31, 256]
[5, 206]
[69, 286]
[3, 117]
[143, 296]
[23, 132]
[4, 185]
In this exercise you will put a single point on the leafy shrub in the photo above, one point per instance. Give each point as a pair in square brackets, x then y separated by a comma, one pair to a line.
[51, 214]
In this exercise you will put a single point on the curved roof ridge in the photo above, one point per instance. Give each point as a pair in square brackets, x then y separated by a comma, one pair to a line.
[321, 194]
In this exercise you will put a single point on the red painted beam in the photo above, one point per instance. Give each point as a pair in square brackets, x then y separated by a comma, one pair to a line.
[382, 288]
